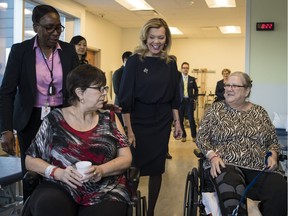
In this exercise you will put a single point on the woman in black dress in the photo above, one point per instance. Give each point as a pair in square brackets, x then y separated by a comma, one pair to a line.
[149, 97]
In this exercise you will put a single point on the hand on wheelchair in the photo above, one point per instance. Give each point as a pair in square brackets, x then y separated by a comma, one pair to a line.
[272, 161]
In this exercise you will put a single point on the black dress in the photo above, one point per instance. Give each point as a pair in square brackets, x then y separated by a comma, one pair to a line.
[149, 90]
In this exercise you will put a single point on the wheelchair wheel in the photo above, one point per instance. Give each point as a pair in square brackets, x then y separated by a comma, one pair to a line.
[191, 193]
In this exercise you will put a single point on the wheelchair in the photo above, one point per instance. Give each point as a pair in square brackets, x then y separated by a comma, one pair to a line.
[137, 207]
[198, 182]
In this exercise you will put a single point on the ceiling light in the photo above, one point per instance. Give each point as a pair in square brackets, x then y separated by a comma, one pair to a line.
[175, 31]
[3, 5]
[230, 29]
[220, 3]
[135, 5]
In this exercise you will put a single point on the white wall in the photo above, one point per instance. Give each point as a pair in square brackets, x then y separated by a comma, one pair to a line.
[213, 54]
[268, 55]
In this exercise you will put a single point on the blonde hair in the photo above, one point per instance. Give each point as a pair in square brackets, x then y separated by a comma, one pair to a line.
[142, 48]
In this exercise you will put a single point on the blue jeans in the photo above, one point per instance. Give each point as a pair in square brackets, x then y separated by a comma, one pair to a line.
[187, 105]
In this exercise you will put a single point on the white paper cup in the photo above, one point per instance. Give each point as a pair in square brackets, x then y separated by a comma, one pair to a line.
[83, 166]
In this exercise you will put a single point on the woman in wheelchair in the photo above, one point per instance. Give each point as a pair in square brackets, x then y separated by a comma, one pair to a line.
[81, 132]
[235, 135]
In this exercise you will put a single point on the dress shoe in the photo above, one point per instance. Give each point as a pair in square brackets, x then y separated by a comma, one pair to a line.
[168, 156]
[183, 139]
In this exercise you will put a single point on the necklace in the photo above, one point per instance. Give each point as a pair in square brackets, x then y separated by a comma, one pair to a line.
[51, 87]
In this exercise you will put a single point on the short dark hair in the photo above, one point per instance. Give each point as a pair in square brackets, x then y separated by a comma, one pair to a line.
[184, 63]
[125, 55]
[82, 77]
[41, 10]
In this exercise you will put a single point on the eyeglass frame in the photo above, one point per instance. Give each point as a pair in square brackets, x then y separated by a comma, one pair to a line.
[234, 86]
[101, 89]
[50, 31]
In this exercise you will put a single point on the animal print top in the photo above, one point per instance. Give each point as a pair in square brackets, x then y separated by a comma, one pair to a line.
[240, 138]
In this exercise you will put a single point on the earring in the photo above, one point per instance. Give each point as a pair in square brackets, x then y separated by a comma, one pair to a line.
[82, 100]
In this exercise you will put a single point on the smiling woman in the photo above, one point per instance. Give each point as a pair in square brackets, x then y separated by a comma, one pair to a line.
[149, 97]
[236, 136]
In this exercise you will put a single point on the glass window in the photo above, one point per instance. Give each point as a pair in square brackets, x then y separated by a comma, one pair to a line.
[6, 32]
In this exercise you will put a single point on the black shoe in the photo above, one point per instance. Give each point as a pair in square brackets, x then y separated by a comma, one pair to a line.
[168, 156]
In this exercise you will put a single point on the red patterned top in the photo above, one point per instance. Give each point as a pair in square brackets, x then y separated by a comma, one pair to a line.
[61, 145]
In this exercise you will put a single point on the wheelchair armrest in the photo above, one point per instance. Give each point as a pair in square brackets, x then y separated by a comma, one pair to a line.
[31, 180]
[198, 153]
[133, 175]
[282, 157]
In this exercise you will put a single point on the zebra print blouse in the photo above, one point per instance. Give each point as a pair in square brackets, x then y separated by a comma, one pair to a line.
[240, 138]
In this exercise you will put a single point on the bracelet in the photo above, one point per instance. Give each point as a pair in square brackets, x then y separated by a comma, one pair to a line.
[214, 156]
[48, 171]
[52, 174]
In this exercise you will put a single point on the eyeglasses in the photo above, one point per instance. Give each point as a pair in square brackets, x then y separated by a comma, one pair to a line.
[233, 86]
[50, 28]
[100, 88]
[185, 68]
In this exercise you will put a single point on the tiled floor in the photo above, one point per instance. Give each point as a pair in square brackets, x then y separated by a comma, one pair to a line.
[170, 201]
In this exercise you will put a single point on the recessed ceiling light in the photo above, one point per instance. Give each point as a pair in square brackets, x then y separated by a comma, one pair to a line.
[175, 31]
[220, 3]
[230, 29]
[135, 5]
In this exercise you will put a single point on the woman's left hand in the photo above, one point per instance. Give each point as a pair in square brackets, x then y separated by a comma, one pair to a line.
[95, 173]
[272, 163]
[177, 130]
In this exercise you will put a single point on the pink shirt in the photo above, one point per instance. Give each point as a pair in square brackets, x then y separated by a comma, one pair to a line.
[43, 78]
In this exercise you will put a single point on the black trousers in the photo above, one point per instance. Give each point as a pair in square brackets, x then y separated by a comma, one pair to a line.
[187, 106]
[51, 199]
[270, 189]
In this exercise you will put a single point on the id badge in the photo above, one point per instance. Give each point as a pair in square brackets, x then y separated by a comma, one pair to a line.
[45, 110]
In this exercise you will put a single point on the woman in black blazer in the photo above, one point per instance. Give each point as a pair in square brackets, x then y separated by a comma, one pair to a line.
[219, 92]
[34, 80]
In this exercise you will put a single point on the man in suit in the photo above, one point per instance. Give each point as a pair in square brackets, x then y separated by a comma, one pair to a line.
[188, 94]
[116, 79]
[117, 75]
[34, 81]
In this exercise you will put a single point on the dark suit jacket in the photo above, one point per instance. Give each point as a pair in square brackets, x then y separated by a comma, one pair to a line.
[192, 88]
[219, 92]
[116, 78]
[18, 89]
